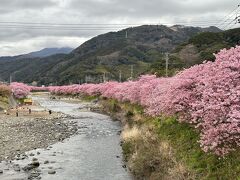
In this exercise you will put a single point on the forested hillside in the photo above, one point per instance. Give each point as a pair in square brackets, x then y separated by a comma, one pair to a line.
[203, 45]
[106, 56]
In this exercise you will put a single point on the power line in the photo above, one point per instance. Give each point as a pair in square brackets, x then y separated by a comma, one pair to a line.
[226, 17]
[232, 24]
[234, 21]
[77, 28]
[90, 27]
[237, 22]
[91, 24]
[59, 28]
[231, 14]
[105, 26]
[225, 27]
[87, 26]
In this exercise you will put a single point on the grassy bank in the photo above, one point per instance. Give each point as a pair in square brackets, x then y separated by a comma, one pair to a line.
[163, 148]
[3, 102]
[5, 92]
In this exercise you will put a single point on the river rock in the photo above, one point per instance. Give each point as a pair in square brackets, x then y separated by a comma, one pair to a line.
[16, 167]
[34, 175]
[34, 159]
[46, 162]
[35, 163]
[51, 172]
[31, 166]
[28, 167]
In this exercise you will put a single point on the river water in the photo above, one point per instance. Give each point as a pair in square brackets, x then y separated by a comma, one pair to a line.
[94, 153]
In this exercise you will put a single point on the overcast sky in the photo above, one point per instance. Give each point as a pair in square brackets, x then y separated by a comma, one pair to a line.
[30, 25]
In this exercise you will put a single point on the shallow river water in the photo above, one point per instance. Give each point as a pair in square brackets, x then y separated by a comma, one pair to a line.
[94, 153]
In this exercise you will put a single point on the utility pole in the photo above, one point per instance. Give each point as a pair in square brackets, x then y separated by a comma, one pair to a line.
[131, 72]
[104, 77]
[167, 59]
[10, 79]
[120, 76]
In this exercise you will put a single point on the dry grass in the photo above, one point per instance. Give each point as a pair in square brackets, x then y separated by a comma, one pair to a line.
[146, 155]
[130, 133]
[3, 102]
[180, 172]
[161, 148]
[151, 158]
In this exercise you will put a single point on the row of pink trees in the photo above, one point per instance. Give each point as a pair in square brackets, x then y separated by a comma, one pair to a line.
[20, 90]
[206, 96]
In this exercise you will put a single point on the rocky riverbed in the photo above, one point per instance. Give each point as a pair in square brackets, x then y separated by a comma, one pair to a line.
[20, 134]
[24, 133]
[39, 147]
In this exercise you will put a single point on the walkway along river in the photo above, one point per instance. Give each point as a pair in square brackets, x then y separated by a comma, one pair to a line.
[94, 153]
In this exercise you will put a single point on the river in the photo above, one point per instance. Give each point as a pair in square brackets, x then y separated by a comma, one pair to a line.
[94, 153]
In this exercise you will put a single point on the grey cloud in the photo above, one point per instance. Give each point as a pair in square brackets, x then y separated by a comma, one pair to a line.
[98, 12]
[154, 8]
[11, 5]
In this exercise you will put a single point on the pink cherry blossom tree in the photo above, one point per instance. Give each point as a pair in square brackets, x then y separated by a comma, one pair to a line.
[206, 96]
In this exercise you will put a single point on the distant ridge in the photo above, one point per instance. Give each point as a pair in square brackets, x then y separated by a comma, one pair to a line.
[111, 54]
[49, 52]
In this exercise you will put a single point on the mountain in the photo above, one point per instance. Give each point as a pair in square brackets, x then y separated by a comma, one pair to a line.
[27, 69]
[39, 54]
[49, 51]
[106, 55]
[202, 46]
[28, 64]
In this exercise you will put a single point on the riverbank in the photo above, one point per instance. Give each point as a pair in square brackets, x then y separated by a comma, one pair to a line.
[163, 148]
[30, 131]
[92, 153]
